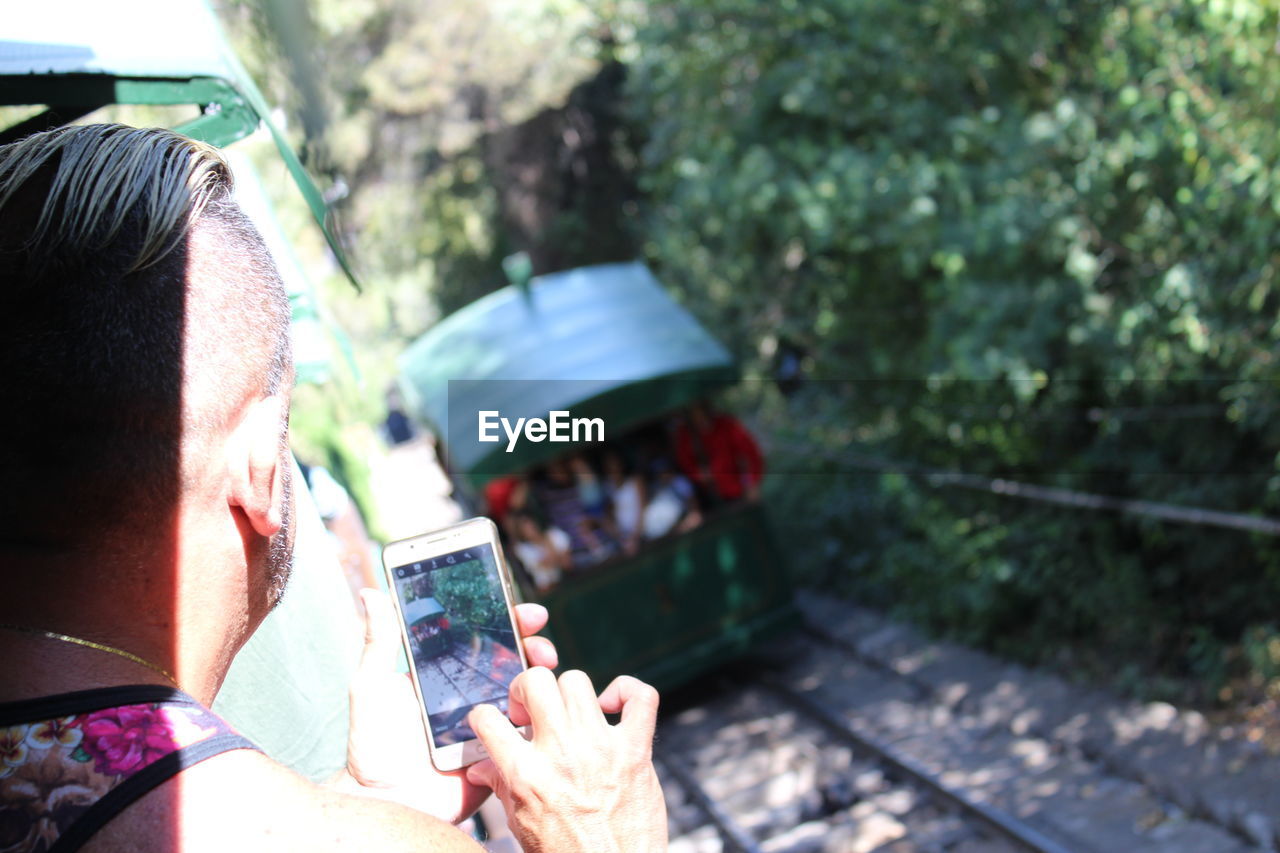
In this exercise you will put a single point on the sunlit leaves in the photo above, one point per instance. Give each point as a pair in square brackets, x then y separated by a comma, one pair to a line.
[987, 192]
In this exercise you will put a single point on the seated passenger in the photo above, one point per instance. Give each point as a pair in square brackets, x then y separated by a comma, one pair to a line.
[594, 497]
[504, 495]
[627, 498]
[717, 453]
[674, 506]
[558, 496]
[544, 554]
[590, 491]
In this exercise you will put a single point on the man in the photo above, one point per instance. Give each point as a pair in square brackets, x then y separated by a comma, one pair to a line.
[717, 453]
[146, 530]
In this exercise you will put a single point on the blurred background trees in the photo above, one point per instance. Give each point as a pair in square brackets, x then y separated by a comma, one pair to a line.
[1020, 239]
[1036, 240]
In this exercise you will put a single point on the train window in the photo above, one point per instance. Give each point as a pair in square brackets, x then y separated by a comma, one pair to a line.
[592, 507]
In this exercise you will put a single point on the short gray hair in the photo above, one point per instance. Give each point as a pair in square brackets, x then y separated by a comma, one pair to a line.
[104, 173]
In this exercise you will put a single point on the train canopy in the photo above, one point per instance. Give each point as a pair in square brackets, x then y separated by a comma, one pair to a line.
[601, 342]
[422, 609]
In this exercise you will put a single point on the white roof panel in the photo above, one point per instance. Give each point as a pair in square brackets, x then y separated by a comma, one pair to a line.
[144, 38]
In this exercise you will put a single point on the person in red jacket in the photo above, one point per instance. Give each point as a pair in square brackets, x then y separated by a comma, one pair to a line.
[717, 453]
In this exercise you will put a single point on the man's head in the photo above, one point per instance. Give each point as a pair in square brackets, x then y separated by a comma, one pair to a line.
[142, 321]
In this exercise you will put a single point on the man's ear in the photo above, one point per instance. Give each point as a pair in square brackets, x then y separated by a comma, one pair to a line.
[254, 465]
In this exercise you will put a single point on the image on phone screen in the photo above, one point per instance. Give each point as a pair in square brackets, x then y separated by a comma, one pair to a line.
[460, 636]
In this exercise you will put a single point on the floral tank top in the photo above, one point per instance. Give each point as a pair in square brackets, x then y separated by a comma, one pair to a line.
[69, 763]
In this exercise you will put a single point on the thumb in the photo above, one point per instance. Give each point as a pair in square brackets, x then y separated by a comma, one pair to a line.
[381, 635]
[484, 774]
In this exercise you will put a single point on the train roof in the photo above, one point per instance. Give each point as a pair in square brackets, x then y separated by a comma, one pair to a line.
[602, 341]
[421, 608]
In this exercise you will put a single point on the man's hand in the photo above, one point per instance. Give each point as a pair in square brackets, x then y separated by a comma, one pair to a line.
[387, 755]
[580, 785]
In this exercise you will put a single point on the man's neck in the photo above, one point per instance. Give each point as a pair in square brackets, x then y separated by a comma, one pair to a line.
[116, 612]
[35, 664]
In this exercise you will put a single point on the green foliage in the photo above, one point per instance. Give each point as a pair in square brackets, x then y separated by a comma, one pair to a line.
[401, 121]
[1029, 239]
[1261, 645]
[417, 90]
[471, 594]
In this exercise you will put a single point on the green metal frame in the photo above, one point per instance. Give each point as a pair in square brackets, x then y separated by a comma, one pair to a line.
[226, 115]
[227, 111]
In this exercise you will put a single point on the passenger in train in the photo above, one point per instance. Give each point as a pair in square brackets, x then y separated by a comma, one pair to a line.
[545, 554]
[505, 495]
[605, 515]
[558, 495]
[590, 491]
[718, 455]
[674, 505]
[595, 503]
[626, 491]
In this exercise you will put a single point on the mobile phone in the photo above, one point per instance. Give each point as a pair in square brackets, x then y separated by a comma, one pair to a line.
[453, 594]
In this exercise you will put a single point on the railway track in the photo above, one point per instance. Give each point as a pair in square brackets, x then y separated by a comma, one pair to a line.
[815, 750]
[766, 769]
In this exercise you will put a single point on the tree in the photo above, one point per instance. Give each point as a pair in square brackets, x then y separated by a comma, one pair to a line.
[1020, 239]
[471, 594]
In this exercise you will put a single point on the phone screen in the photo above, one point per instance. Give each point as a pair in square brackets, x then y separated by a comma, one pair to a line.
[460, 636]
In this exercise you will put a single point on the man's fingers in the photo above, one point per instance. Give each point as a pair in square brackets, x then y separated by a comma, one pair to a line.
[519, 714]
[580, 701]
[483, 773]
[531, 618]
[536, 689]
[638, 704]
[496, 733]
[381, 636]
[541, 652]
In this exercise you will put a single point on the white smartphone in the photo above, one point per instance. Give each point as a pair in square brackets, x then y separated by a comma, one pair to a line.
[453, 594]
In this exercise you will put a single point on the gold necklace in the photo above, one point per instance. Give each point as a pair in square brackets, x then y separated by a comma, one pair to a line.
[90, 644]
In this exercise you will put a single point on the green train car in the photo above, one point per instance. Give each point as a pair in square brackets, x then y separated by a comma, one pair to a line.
[605, 343]
[428, 626]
